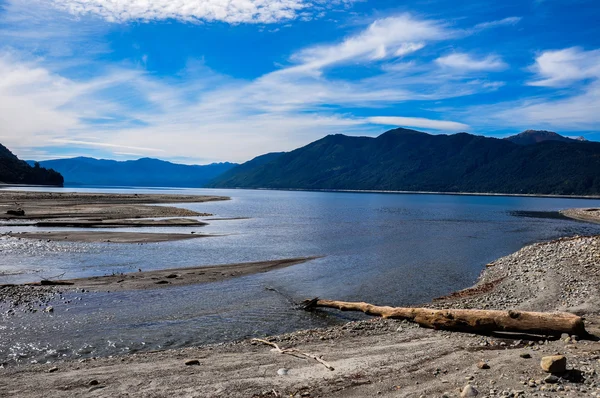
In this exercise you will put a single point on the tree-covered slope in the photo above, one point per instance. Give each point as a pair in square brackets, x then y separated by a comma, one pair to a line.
[15, 171]
[142, 172]
[409, 160]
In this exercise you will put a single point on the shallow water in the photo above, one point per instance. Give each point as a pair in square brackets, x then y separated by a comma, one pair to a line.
[394, 249]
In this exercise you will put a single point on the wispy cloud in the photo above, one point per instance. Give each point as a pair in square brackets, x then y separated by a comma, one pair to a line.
[385, 38]
[510, 21]
[400, 121]
[563, 67]
[230, 11]
[467, 62]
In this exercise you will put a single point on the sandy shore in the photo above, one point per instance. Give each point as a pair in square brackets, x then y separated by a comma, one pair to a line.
[69, 205]
[589, 214]
[380, 357]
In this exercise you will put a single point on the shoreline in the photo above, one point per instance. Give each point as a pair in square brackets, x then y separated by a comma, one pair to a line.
[376, 357]
[392, 192]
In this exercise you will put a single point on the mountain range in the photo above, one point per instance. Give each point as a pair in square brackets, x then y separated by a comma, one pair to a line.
[16, 171]
[533, 162]
[145, 172]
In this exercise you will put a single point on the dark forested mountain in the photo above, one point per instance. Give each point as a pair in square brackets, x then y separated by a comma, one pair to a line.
[15, 171]
[530, 137]
[408, 160]
[142, 172]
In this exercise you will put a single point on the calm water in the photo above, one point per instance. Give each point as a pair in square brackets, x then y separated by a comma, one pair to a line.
[383, 248]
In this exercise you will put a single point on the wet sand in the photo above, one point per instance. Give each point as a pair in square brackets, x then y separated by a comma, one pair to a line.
[178, 276]
[106, 237]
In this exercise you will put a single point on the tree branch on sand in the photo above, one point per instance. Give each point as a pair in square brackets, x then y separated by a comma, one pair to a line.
[294, 352]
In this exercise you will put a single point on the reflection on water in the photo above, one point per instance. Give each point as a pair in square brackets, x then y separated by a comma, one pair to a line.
[383, 248]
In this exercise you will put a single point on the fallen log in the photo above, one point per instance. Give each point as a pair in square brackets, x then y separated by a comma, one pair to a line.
[470, 321]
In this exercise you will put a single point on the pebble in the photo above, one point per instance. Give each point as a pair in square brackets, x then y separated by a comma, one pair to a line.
[554, 364]
[469, 391]
[192, 362]
[483, 365]
[283, 372]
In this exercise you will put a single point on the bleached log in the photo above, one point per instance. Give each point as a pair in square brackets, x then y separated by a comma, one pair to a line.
[471, 321]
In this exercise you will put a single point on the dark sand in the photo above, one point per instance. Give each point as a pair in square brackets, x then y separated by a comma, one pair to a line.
[179, 276]
[77, 223]
[106, 237]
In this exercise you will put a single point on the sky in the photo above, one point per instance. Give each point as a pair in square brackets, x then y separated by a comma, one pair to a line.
[201, 81]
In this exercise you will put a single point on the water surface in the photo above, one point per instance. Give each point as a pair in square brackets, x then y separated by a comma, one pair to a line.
[389, 249]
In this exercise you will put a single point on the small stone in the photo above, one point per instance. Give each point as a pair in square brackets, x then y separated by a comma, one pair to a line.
[52, 370]
[554, 364]
[282, 372]
[93, 382]
[49, 309]
[469, 391]
[551, 379]
[483, 365]
[525, 355]
[192, 362]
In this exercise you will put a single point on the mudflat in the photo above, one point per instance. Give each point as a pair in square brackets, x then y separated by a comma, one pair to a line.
[178, 276]
[68, 205]
[106, 237]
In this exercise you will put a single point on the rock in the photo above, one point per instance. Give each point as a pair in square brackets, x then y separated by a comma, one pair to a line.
[483, 365]
[469, 391]
[192, 362]
[93, 382]
[18, 212]
[52, 370]
[525, 355]
[49, 309]
[282, 372]
[554, 364]
[551, 379]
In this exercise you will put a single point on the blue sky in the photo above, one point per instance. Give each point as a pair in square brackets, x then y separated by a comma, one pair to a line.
[198, 81]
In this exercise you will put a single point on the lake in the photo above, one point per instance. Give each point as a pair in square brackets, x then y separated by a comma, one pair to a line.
[389, 249]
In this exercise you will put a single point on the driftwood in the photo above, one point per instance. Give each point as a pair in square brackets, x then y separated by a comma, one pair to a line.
[471, 321]
[294, 352]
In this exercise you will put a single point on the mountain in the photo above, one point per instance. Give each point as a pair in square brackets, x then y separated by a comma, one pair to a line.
[142, 172]
[15, 171]
[409, 160]
[530, 137]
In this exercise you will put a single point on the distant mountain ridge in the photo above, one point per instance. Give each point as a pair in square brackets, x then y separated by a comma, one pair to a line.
[409, 160]
[15, 171]
[146, 172]
[531, 137]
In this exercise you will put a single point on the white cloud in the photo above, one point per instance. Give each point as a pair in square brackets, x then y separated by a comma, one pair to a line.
[418, 122]
[205, 116]
[466, 62]
[494, 24]
[563, 67]
[385, 38]
[230, 11]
